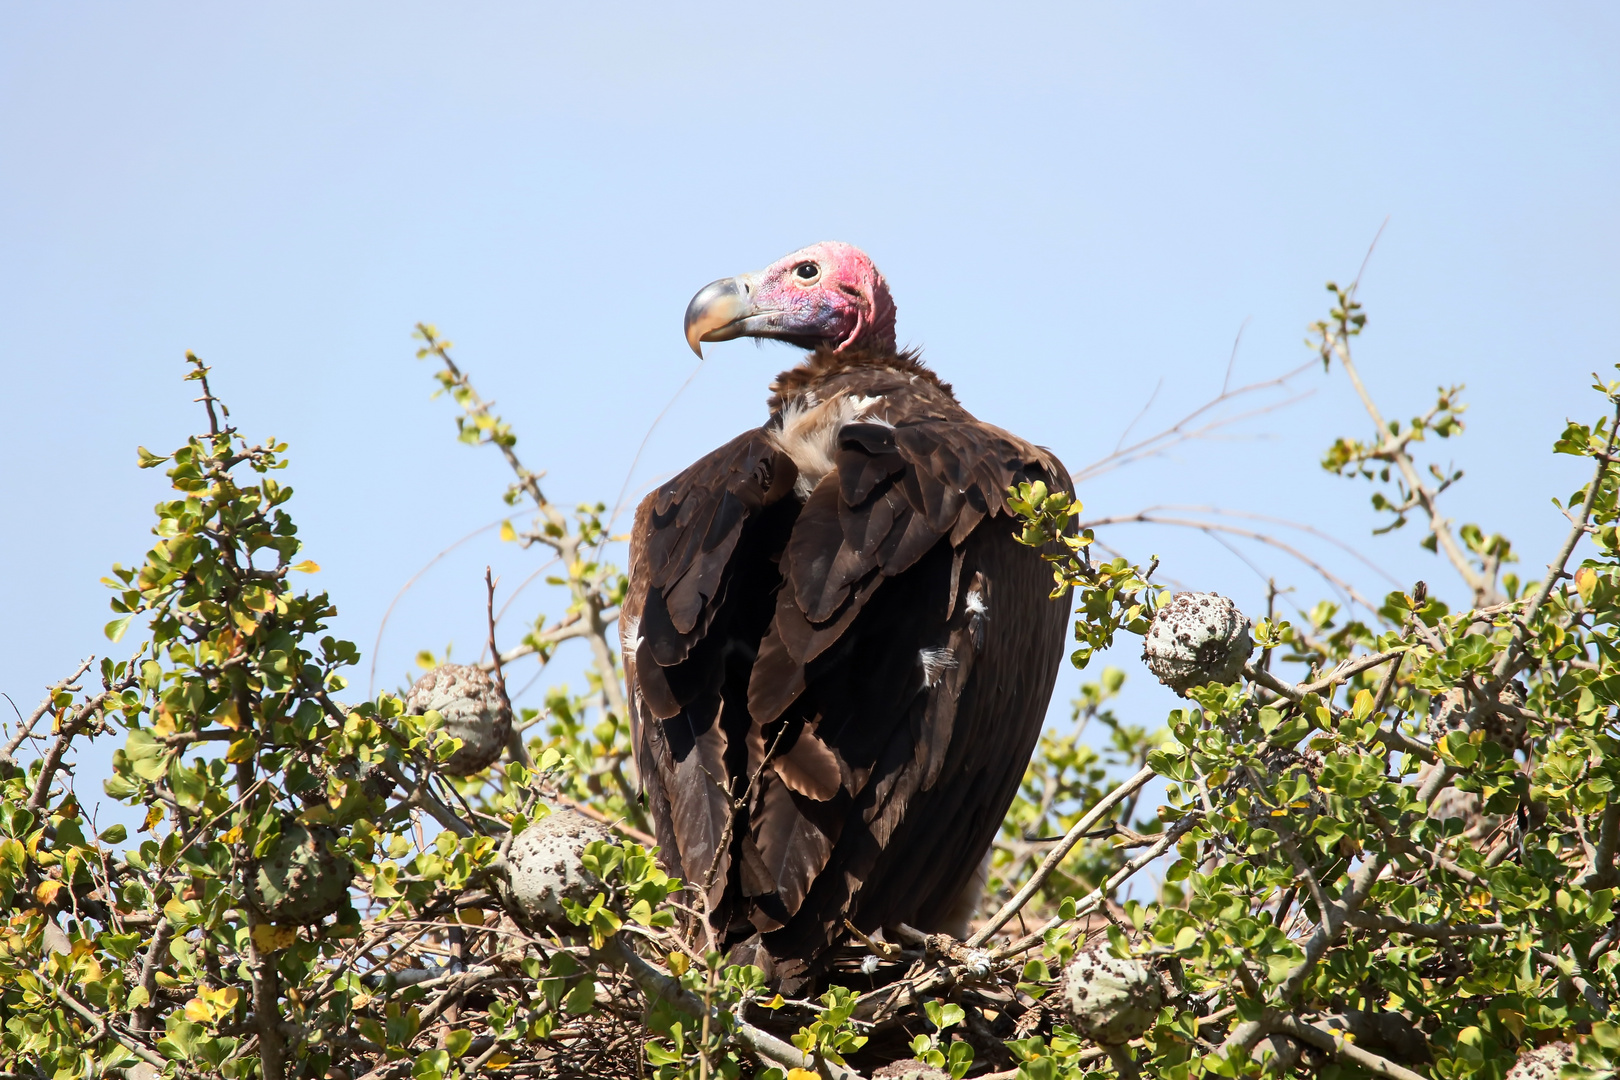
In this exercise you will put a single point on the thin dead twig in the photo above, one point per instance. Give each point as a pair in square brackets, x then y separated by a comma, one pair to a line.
[1055, 857]
[376, 646]
[1150, 517]
[26, 728]
[1179, 432]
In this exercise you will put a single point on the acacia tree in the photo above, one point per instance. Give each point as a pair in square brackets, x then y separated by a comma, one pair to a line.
[1401, 862]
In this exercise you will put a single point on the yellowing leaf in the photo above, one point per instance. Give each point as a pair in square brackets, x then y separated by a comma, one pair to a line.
[308, 566]
[508, 533]
[802, 1074]
[269, 938]
[47, 890]
[499, 1061]
[1586, 580]
[472, 916]
[199, 1011]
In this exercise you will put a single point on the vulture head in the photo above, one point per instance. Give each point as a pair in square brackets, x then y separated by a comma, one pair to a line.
[827, 296]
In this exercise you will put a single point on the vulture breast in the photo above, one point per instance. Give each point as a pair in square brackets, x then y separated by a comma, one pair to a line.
[839, 660]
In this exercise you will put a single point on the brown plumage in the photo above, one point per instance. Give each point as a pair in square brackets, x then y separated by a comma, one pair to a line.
[839, 657]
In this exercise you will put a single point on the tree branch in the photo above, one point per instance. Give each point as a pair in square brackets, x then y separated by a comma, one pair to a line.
[1076, 833]
[657, 986]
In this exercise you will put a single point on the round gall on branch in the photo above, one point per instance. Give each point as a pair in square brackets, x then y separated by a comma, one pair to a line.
[543, 869]
[1110, 999]
[1542, 1062]
[302, 878]
[1197, 638]
[473, 712]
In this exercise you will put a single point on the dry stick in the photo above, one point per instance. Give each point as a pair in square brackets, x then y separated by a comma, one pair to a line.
[1095, 898]
[44, 707]
[371, 685]
[494, 650]
[1298, 526]
[1076, 833]
[1177, 433]
[1148, 517]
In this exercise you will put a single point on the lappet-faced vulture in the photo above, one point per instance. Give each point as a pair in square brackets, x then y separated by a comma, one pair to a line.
[839, 658]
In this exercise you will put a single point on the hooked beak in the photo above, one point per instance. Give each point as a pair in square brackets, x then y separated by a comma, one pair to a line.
[721, 310]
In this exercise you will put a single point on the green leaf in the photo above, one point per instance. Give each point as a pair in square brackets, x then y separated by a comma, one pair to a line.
[431, 1065]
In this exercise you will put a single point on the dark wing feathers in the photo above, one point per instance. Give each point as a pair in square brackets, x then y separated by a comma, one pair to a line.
[819, 665]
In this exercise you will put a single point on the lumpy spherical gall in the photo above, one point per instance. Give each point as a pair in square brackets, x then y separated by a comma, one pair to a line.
[473, 712]
[1542, 1063]
[543, 868]
[302, 878]
[1197, 638]
[1449, 712]
[1111, 999]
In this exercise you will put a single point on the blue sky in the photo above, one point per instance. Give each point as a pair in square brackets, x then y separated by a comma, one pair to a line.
[1074, 204]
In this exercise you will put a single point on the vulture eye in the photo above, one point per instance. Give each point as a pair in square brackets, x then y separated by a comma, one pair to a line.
[807, 271]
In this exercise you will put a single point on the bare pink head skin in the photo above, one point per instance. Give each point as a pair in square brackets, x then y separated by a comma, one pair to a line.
[826, 296]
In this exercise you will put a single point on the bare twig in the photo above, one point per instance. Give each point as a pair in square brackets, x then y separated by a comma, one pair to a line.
[494, 649]
[1095, 899]
[376, 647]
[26, 727]
[1056, 856]
[1287, 523]
[1182, 430]
[1151, 517]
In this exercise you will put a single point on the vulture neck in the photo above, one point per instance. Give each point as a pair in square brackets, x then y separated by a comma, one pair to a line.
[824, 365]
